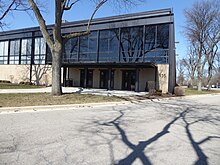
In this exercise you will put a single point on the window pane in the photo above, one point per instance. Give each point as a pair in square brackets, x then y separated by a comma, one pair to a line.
[158, 56]
[88, 47]
[26, 45]
[14, 51]
[150, 32]
[108, 45]
[4, 52]
[40, 50]
[163, 36]
[71, 50]
[131, 44]
[84, 44]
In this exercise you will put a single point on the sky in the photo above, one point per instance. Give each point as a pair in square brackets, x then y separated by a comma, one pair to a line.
[83, 10]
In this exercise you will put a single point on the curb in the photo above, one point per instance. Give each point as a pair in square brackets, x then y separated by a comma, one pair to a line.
[5, 110]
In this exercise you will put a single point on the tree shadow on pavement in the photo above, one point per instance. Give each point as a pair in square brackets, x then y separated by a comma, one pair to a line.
[202, 158]
[184, 112]
[191, 114]
[138, 150]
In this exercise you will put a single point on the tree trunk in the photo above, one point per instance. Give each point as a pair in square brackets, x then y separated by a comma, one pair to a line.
[56, 71]
[191, 82]
[199, 84]
[209, 81]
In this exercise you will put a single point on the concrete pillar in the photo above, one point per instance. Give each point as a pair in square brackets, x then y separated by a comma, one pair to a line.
[86, 77]
[137, 81]
[64, 76]
[109, 78]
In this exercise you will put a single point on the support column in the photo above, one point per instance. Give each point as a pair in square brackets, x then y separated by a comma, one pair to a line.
[86, 77]
[32, 54]
[109, 78]
[172, 60]
[137, 80]
[64, 76]
[156, 79]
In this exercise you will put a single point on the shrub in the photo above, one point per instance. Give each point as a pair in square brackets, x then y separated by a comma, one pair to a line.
[28, 83]
[158, 92]
[5, 81]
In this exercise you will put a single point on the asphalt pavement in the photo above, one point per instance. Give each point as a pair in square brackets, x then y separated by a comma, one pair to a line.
[180, 131]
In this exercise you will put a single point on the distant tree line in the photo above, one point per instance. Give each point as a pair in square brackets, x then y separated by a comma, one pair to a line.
[201, 65]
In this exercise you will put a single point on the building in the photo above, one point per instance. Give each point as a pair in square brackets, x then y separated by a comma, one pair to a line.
[126, 52]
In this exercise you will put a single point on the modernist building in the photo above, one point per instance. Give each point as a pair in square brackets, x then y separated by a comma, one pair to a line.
[126, 52]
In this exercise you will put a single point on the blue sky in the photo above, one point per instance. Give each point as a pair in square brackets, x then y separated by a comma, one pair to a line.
[84, 9]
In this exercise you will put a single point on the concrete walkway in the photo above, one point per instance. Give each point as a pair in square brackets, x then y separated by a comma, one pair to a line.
[79, 90]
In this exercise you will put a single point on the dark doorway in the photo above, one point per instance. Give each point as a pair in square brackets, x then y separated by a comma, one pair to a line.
[128, 80]
[104, 77]
[88, 78]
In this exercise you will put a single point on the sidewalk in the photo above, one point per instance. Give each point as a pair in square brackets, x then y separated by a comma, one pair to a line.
[78, 90]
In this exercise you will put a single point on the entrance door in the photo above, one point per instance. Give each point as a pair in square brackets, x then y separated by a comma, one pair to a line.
[89, 79]
[128, 80]
[104, 76]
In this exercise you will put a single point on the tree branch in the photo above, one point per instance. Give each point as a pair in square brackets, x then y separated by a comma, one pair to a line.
[68, 7]
[41, 22]
[7, 10]
[72, 35]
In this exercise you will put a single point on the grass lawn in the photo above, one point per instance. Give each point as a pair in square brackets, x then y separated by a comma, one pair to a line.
[36, 99]
[17, 86]
[189, 92]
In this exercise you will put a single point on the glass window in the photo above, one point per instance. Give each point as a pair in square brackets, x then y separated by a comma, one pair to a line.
[108, 45]
[163, 36]
[71, 50]
[14, 51]
[156, 44]
[4, 52]
[39, 51]
[131, 46]
[26, 45]
[150, 32]
[49, 56]
[158, 56]
[88, 47]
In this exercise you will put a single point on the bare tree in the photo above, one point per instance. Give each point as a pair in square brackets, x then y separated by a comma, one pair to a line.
[190, 64]
[212, 40]
[201, 21]
[180, 71]
[56, 43]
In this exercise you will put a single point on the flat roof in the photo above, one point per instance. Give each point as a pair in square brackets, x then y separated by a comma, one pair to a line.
[118, 18]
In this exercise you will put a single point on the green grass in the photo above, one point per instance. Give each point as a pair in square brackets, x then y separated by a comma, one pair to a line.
[17, 86]
[37, 99]
[189, 92]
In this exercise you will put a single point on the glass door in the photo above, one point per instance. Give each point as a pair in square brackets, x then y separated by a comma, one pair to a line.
[104, 79]
[89, 78]
[128, 80]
